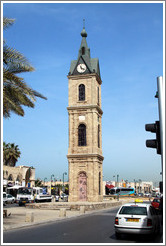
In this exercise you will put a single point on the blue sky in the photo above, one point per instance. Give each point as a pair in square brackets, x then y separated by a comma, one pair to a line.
[128, 40]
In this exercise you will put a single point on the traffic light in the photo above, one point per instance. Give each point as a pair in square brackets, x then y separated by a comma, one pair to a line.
[154, 143]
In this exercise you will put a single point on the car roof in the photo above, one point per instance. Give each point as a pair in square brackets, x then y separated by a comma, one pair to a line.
[140, 204]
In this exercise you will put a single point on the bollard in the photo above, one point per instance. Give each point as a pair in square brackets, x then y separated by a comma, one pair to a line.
[29, 217]
[82, 209]
[62, 212]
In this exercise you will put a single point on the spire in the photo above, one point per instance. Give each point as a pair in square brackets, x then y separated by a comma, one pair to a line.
[83, 33]
[84, 51]
[84, 57]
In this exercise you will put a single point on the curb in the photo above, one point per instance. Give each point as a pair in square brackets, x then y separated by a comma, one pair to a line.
[57, 219]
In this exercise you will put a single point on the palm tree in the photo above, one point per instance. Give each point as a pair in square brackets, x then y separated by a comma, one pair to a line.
[38, 183]
[16, 93]
[11, 153]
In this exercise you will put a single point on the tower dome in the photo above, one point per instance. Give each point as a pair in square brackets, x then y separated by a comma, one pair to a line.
[84, 33]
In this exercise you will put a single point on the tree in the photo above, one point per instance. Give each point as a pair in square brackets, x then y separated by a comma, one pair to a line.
[38, 183]
[16, 93]
[11, 153]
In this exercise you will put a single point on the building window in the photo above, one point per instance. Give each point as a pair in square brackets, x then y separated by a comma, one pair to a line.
[98, 95]
[82, 135]
[98, 136]
[81, 92]
[99, 183]
[83, 50]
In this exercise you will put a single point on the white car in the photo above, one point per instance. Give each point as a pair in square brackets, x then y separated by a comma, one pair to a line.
[4, 198]
[10, 198]
[64, 197]
[137, 218]
[147, 194]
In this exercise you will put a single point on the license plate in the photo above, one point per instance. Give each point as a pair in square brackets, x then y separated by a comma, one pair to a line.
[132, 220]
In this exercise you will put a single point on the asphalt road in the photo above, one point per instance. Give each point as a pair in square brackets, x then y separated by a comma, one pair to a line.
[97, 227]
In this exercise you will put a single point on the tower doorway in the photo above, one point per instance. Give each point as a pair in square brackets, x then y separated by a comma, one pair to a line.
[82, 186]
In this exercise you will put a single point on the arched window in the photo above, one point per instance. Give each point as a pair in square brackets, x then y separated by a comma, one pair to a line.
[83, 50]
[81, 92]
[98, 136]
[99, 183]
[10, 177]
[98, 101]
[82, 135]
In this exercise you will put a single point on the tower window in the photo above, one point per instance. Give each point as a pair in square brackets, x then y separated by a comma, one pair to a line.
[83, 50]
[98, 136]
[82, 135]
[99, 183]
[81, 92]
[98, 95]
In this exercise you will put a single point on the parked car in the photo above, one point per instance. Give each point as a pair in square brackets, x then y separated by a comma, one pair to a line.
[10, 198]
[4, 198]
[155, 203]
[57, 198]
[136, 218]
[140, 194]
[148, 195]
[64, 197]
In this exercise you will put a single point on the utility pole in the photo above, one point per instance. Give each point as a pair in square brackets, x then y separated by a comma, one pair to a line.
[161, 103]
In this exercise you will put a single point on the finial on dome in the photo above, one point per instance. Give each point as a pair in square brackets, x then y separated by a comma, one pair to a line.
[84, 33]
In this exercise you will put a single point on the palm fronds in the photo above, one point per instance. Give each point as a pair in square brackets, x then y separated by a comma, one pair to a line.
[16, 93]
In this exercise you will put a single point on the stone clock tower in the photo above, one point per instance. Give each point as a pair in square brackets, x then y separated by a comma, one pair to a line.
[85, 139]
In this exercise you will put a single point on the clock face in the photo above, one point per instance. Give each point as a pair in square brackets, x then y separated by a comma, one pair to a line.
[81, 68]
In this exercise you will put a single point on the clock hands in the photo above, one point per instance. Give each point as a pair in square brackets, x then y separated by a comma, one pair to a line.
[82, 68]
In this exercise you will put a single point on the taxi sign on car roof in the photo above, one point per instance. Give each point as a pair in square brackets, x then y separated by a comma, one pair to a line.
[138, 200]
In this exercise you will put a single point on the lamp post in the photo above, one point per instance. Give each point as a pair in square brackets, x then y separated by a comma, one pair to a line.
[65, 173]
[139, 184]
[51, 180]
[117, 178]
[135, 184]
[44, 180]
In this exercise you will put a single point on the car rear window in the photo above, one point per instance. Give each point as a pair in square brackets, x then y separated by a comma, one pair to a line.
[156, 200]
[133, 210]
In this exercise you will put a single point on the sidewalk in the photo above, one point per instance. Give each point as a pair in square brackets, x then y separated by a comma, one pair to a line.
[18, 217]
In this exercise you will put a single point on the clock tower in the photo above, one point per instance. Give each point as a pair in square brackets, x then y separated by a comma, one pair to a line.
[85, 132]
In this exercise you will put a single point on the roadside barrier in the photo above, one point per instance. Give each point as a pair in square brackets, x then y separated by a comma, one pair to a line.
[62, 212]
[29, 217]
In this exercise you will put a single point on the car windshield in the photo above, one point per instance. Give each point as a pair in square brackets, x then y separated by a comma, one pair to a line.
[24, 191]
[135, 210]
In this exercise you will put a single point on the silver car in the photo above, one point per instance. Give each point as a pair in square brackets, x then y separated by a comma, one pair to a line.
[136, 218]
[4, 198]
[10, 198]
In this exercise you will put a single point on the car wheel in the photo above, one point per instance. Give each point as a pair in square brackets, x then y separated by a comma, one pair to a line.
[118, 235]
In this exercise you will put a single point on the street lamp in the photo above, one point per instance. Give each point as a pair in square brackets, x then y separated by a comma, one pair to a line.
[117, 177]
[45, 180]
[139, 184]
[65, 173]
[135, 185]
[51, 179]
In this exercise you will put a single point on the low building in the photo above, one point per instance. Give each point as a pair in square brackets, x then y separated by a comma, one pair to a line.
[20, 175]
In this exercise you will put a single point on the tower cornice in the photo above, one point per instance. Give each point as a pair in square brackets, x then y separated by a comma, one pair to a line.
[86, 107]
[85, 76]
[85, 156]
